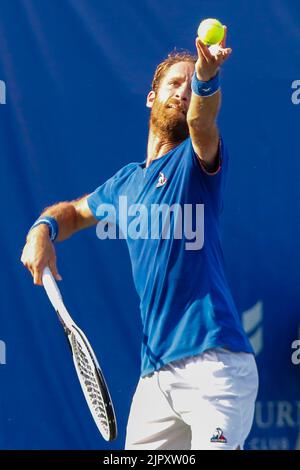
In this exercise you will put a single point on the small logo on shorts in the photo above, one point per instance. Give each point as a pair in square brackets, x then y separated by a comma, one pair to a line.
[161, 180]
[218, 436]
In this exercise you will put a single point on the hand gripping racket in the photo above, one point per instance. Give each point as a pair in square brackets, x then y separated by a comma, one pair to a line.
[88, 370]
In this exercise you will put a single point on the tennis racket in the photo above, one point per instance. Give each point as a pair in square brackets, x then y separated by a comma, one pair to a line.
[88, 370]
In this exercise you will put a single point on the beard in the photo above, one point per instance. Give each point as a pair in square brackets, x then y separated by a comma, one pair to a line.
[169, 123]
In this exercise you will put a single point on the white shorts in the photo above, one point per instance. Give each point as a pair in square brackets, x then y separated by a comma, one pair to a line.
[199, 402]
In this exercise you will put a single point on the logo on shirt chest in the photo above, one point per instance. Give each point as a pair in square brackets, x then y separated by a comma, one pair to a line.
[161, 180]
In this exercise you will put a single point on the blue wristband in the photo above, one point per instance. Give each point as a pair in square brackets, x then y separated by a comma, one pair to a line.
[209, 88]
[52, 224]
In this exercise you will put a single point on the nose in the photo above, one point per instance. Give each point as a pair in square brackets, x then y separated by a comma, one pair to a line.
[183, 92]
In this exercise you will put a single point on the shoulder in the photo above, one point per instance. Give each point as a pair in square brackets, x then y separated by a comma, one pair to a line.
[126, 171]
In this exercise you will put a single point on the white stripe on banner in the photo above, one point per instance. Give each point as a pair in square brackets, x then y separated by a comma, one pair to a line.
[2, 92]
[252, 323]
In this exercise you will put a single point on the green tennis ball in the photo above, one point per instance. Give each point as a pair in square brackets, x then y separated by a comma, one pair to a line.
[211, 31]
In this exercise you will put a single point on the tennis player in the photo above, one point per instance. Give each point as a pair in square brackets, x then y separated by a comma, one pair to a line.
[199, 379]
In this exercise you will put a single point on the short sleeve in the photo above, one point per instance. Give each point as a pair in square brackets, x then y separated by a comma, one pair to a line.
[101, 198]
[215, 182]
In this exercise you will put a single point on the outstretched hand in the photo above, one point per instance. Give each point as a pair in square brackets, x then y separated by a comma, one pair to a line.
[211, 58]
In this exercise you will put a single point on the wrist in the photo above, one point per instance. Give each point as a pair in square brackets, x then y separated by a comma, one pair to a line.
[49, 225]
[41, 230]
[205, 77]
[205, 87]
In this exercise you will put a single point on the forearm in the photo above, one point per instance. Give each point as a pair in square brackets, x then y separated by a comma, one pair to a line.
[68, 218]
[203, 128]
[39, 250]
[203, 112]
[206, 102]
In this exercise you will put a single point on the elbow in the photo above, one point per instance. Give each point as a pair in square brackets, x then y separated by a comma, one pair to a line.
[200, 122]
[201, 127]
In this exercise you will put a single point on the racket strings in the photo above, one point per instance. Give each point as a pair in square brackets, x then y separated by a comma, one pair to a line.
[87, 371]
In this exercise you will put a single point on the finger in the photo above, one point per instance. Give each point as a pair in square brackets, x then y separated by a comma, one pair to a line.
[223, 42]
[23, 257]
[37, 277]
[199, 51]
[216, 51]
[225, 54]
[30, 269]
[222, 55]
[203, 50]
[54, 270]
[28, 266]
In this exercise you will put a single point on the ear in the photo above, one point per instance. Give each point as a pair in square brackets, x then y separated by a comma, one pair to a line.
[150, 99]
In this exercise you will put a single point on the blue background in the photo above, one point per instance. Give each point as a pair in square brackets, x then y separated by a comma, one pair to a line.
[77, 73]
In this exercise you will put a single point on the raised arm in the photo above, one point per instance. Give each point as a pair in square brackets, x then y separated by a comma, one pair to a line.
[39, 250]
[203, 110]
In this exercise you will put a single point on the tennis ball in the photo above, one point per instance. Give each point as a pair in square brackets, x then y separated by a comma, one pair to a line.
[211, 31]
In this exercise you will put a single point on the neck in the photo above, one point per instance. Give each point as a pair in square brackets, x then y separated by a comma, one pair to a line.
[158, 146]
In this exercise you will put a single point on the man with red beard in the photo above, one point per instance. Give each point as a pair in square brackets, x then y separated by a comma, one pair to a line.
[198, 379]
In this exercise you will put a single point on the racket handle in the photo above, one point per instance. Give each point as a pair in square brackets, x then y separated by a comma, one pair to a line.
[51, 288]
[55, 297]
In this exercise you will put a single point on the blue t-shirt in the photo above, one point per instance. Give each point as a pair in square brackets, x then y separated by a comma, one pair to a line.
[176, 255]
